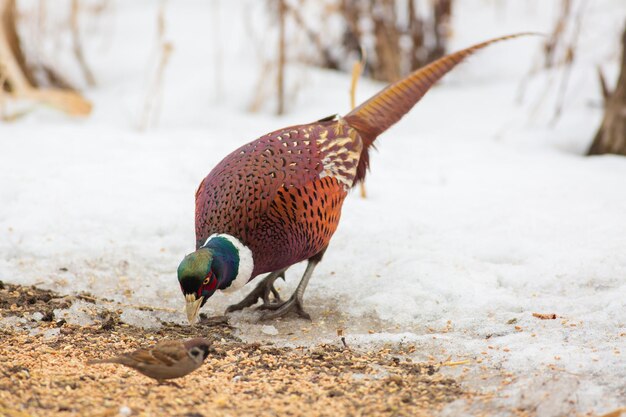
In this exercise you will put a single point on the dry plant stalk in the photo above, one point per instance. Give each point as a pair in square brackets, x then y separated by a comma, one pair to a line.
[615, 413]
[16, 75]
[388, 55]
[611, 136]
[570, 54]
[77, 44]
[18, 82]
[154, 98]
[550, 46]
[3, 113]
[416, 32]
[403, 41]
[357, 70]
[260, 90]
[272, 68]
[280, 76]
[442, 10]
[327, 59]
[558, 51]
[604, 87]
[217, 48]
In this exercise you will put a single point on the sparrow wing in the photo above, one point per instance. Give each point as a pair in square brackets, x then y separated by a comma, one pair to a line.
[169, 352]
[163, 354]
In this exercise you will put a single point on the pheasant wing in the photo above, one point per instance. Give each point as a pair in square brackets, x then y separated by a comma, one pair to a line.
[241, 187]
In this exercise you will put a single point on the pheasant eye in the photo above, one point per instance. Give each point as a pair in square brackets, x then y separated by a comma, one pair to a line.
[206, 281]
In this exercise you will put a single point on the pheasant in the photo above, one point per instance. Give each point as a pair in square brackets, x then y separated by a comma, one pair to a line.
[277, 200]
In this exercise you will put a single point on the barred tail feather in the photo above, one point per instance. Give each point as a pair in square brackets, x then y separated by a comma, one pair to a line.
[384, 109]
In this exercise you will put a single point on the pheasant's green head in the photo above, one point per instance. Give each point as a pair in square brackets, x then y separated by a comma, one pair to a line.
[218, 265]
[198, 280]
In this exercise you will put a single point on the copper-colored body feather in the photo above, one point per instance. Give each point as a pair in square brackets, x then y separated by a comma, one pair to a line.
[281, 195]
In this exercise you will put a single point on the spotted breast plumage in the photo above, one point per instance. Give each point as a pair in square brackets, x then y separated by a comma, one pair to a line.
[277, 201]
[281, 195]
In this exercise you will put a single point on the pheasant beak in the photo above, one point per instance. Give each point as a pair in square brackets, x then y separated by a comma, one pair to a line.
[192, 307]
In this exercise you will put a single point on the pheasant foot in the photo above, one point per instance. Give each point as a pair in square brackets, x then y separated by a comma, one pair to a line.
[275, 310]
[261, 291]
[294, 304]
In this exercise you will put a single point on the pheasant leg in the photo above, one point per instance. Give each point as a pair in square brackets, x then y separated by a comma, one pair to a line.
[294, 304]
[262, 291]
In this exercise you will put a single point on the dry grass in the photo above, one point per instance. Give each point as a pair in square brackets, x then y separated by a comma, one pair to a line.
[17, 78]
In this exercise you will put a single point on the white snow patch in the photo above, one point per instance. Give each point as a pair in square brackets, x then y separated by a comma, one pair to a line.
[143, 319]
[269, 330]
[79, 313]
[125, 411]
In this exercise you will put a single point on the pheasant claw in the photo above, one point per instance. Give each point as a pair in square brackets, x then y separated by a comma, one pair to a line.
[280, 310]
[261, 291]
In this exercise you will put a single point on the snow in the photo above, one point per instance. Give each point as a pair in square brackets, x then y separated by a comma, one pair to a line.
[125, 411]
[480, 210]
[269, 330]
[79, 313]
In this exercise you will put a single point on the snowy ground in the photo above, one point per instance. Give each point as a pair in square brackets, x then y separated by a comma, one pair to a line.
[480, 212]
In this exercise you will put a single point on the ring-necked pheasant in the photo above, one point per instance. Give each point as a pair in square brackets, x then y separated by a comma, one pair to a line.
[277, 200]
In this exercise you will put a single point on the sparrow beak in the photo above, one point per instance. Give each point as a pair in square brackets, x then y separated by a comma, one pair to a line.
[192, 307]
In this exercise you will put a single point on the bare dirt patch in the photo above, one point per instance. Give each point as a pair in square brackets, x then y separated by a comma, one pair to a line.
[43, 370]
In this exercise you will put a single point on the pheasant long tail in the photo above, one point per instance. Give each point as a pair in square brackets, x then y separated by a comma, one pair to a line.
[384, 109]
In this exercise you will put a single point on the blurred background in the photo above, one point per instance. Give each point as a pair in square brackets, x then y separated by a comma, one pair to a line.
[167, 63]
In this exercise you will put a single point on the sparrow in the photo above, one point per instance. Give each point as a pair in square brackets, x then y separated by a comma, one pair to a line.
[168, 359]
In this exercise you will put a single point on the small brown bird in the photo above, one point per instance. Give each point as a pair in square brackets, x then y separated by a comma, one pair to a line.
[168, 359]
